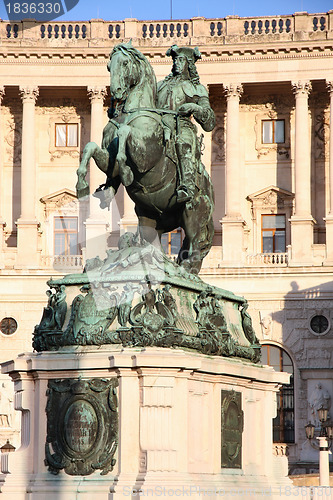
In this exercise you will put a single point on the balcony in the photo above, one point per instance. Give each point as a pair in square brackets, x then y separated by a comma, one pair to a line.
[267, 259]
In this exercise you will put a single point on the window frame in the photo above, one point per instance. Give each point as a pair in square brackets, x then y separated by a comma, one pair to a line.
[180, 231]
[278, 422]
[66, 233]
[274, 230]
[273, 121]
[67, 124]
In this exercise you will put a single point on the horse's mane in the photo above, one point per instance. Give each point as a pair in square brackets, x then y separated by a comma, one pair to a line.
[147, 73]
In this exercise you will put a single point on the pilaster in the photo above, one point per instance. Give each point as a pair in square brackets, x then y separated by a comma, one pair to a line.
[27, 224]
[302, 221]
[329, 216]
[97, 223]
[232, 222]
[2, 222]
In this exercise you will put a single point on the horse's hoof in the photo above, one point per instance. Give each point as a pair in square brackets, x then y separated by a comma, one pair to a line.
[126, 176]
[82, 192]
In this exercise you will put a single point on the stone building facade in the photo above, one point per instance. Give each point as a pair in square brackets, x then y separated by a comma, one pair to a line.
[270, 156]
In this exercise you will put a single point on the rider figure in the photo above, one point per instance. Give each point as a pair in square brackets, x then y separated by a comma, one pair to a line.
[182, 92]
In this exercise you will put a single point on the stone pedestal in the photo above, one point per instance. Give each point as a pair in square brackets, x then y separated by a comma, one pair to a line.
[189, 424]
[301, 240]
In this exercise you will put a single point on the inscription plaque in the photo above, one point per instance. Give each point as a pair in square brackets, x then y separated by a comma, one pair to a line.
[232, 424]
[82, 425]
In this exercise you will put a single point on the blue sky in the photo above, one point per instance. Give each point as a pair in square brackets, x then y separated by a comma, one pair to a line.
[184, 9]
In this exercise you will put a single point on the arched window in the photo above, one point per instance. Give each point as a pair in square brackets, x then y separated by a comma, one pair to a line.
[283, 423]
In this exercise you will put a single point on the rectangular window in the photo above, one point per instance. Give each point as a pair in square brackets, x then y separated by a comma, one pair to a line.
[273, 131]
[172, 242]
[65, 236]
[66, 134]
[273, 233]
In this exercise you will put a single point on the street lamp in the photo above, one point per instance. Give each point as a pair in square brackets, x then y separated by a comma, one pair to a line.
[325, 440]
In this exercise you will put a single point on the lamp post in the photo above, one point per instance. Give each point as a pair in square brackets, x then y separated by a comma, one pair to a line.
[325, 440]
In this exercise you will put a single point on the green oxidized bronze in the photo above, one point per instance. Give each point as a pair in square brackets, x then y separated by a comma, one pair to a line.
[150, 145]
[137, 296]
[232, 426]
[82, 425]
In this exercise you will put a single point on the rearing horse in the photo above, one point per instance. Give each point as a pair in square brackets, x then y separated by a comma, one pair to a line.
[134, 152]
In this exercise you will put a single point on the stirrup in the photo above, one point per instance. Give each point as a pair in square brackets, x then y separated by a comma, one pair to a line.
[184, 195]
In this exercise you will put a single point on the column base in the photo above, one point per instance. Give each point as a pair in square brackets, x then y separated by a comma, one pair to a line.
[28, 255]
[96, 238]
[128, 224]
[232, 240]
[301, 240]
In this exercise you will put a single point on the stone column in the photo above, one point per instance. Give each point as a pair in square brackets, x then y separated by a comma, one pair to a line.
[27, 224]
[97, 222]
[302, 221]
[2, 222]
[329, 216]
[232, 222]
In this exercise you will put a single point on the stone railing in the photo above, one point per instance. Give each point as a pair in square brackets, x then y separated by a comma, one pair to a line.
[60, 262]
[225, 29]
[267, 259]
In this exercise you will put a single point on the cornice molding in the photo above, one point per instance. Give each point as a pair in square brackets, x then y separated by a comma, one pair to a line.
[213, 54]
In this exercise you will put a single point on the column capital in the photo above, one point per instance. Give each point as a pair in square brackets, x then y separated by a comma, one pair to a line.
[29, 93]
[329, 86]
[96, 93]
[233, 90]
[301, 87]
[2, 92]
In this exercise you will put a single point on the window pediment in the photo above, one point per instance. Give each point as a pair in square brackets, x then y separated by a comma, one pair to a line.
[271, 198]
[64, 201]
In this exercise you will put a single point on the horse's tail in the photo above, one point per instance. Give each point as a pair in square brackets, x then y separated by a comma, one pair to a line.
[207, 202]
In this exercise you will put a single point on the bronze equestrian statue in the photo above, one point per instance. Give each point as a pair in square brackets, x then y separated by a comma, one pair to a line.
[150, 145]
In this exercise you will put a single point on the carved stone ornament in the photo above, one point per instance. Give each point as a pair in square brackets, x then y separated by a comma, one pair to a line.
[271, 199]
[232, 425]
[321, 134]
[29, 94]
[13, 139]
[281, 150]
[218, 144]
[301, 87]
[96, 93]
[233, 90]
[82, 425]
[62, 202]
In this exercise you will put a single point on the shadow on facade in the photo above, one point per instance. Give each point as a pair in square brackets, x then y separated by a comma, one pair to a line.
[306, 330]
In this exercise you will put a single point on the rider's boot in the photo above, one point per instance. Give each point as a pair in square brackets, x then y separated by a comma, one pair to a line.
[186, 189]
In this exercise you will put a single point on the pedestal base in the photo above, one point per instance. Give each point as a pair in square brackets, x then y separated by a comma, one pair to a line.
[189, 425]
[27, 244]
[232, 240]
[301, 241]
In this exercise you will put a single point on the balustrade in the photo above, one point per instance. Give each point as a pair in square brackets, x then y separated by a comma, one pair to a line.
[267, 259]
[175, 29]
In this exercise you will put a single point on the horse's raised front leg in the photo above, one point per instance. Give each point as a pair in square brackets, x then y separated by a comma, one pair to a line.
[125, 172]
[101, 157]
